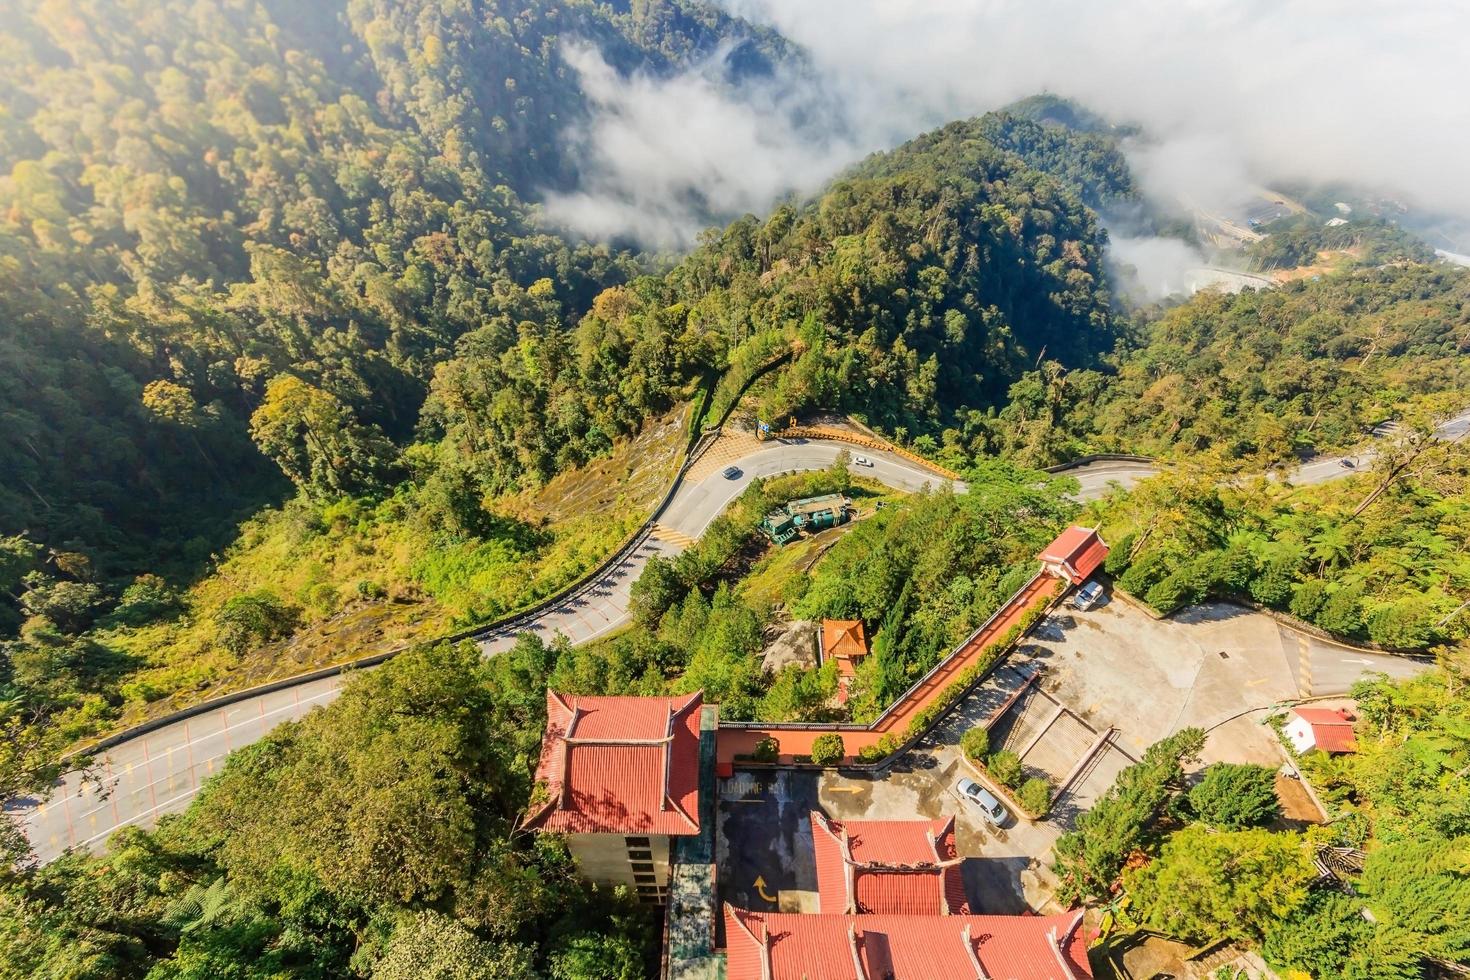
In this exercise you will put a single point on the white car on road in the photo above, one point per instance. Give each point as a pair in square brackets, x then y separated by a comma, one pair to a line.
[861, 461]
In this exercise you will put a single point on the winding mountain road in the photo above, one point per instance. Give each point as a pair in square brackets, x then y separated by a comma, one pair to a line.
[160, 771]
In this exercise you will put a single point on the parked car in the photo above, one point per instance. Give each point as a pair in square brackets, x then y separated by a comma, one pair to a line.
[1348, 463]
[991, 809]
[861, 461]
[731, 472]
[1087, 596]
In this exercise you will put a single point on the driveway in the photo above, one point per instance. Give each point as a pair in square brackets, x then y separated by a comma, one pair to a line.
[1218, 666]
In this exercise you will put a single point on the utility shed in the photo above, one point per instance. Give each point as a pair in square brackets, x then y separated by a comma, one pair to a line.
[1075, 554]
[1328, 729]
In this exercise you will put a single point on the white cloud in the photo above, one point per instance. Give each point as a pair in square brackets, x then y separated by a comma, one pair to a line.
[663, 154]
[1230, 92]
[1355, 90]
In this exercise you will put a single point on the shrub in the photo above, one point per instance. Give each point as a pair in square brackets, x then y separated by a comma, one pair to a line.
[252, 618]
[71, 606]
[1035, 795]
[1234, 569]
[1308, 598]
[1342, 612]
[1272, 587]
[766, 750]
[1005, 766]
[828, 749]
[976, 743]
[1234, 796]
[147, 599]
[1186, 585]
[1117, 561]
[1407, 624]
[870, 754]
[1150, 567]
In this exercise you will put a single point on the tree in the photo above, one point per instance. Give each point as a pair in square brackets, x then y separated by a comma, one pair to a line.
[1330, 938]
[1208, 885]
[433, 946]
[1089, 857]
[657, 588]
[1419, 892]
[598, 956]
[317, 442]
[254, 618]
[1234, 796]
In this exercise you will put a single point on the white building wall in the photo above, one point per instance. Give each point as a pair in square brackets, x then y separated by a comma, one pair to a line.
[1300, 734]
[612, 859]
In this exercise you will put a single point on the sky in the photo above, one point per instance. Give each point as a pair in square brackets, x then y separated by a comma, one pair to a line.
[1232, 94]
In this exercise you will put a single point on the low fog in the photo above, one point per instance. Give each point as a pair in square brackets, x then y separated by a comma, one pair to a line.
[1231, 95]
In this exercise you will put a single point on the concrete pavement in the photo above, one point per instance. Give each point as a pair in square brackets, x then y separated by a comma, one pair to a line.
[602, 607]
[1320, 469]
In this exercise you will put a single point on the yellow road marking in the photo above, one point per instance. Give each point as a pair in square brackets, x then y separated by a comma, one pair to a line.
[760, 889]
[672, 536]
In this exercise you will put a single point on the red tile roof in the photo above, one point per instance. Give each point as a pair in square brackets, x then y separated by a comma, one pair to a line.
[888, 867]
[1080, 549]
[619, 765]
[843, 638]
[1332, 728]
[778, 946]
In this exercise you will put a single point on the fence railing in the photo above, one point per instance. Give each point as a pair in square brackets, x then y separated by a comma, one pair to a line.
[499, 626]
[865, 441]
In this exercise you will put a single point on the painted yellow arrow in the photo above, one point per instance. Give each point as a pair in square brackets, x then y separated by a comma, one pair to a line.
[760, 889]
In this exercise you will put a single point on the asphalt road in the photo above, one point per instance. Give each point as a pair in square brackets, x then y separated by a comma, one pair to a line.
[1320, 469]
[159, 773]
[146, 777]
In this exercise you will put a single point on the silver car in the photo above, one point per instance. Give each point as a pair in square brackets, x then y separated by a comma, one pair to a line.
[1088, 596]
[992, 809]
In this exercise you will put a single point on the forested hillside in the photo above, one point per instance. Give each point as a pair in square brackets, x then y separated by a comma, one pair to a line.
[1255, 377]
[296, 246]
[197, 199]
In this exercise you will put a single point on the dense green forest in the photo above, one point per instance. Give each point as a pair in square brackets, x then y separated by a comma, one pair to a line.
[361, 374]
[372, 838]
[285, 340]
[1375, 557]
[1257, 377]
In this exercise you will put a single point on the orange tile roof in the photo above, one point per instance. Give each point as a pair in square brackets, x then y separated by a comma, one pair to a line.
[619, 765]
[1081, 549]
[780, 946]
[843, 638]
[890, 867]
[1332, 728]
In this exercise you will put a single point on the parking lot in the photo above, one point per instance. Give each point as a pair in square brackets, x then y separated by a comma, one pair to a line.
[1217, 666]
